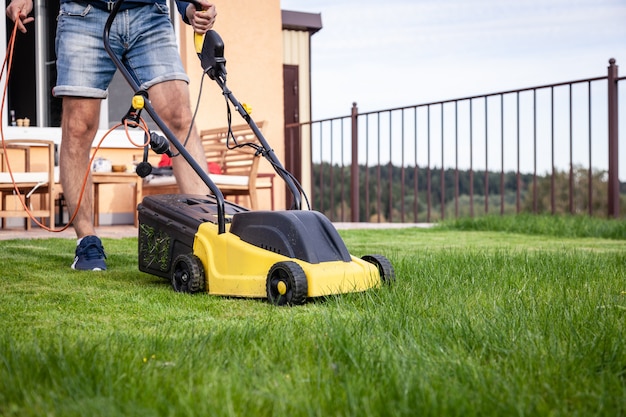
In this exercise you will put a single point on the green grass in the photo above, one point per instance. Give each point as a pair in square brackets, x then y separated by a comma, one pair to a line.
[557, 226]
[479, 323]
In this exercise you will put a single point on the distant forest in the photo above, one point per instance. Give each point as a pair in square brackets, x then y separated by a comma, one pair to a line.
[382, 196]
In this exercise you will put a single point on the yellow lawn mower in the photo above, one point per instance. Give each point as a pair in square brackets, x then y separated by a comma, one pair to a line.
[203, 243]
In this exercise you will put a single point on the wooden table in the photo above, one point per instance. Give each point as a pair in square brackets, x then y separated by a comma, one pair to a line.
[100, 178]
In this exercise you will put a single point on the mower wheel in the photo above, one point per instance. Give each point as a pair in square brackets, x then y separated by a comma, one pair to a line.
[385, 269]
[188, 274]
[286, 284]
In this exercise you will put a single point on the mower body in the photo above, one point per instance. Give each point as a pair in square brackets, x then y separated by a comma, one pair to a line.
[295, 254]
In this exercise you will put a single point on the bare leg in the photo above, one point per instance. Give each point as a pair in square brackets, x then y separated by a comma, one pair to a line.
[170, 99]
[79, 124]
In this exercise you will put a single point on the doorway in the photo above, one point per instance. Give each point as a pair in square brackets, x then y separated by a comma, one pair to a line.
[293, 145]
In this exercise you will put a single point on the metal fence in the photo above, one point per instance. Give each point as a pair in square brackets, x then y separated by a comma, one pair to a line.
[550, 148]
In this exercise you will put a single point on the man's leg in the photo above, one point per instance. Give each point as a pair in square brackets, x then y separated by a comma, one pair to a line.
[170, 99]
[79, 124]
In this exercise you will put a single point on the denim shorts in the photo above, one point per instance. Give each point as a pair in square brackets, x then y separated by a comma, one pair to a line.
[143, 38]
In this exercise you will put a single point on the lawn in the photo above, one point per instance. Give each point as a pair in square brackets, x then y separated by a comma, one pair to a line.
[486, 318]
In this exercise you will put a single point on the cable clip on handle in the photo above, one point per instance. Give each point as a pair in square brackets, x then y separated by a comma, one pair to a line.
[134, 112]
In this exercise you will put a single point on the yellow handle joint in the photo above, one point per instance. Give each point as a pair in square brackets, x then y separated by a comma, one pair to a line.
[247, 108]
[138, 102]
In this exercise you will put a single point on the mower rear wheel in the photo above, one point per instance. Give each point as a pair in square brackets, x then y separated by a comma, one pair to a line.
[385, 269]
[188, 274]
[286, 284]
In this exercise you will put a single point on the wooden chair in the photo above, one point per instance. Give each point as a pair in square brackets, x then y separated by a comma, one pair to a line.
[30, 177]
[238, 168]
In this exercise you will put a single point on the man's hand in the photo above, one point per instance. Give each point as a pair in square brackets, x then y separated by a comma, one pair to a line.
[18, 11]
[201, 20]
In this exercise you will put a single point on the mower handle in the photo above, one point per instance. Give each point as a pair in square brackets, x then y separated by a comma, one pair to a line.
[221, 217]
[214, 65]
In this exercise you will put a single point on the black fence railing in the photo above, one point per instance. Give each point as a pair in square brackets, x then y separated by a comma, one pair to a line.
[551, 148]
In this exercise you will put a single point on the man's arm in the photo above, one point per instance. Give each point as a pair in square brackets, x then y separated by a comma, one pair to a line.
[182, 9]
[201, 20]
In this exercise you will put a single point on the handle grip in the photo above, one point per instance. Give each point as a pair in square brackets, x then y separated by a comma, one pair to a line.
[198, 39]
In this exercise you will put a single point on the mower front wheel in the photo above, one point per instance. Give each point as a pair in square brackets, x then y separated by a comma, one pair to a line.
[188, 274]
[286, 284]
[385, 269]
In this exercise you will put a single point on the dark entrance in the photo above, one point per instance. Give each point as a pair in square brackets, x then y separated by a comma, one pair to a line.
[293, 147]
[25, 81]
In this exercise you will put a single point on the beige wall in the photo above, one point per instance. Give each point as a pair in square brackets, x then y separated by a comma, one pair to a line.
[252, 35]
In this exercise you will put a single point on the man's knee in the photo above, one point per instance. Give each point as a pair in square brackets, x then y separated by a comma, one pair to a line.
[177, 117]
[171, 102]
[80, 119]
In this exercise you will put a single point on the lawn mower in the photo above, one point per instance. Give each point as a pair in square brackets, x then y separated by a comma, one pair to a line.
[203, 243]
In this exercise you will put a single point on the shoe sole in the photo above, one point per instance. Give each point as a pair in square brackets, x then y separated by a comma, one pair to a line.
[73, 266]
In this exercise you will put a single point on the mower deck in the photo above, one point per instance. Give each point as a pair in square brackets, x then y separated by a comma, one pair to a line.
[286, 256]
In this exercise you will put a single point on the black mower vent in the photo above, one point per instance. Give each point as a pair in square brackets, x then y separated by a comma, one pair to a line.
[271, 249]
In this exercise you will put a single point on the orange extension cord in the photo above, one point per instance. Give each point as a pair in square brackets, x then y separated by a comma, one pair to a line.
[8, 62]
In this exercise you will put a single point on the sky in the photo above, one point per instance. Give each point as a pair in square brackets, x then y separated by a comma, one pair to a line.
[387, 54]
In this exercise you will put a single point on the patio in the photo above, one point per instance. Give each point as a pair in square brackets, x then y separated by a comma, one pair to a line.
[121, 231]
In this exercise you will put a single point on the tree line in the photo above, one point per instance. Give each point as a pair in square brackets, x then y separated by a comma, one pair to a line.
[392, 193]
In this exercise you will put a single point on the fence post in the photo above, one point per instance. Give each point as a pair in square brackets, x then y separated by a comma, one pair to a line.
[354, 167]
[614, 209]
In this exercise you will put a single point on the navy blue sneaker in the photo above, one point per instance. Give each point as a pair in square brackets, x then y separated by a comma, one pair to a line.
[90, 255]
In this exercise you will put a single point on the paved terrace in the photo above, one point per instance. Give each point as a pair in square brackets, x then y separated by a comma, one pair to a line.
[121, 231]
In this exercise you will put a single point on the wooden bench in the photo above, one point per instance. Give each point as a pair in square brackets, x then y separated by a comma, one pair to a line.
[238, 168]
